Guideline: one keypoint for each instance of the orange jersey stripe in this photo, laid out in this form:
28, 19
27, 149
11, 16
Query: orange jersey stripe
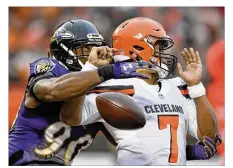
124, 91
184, 92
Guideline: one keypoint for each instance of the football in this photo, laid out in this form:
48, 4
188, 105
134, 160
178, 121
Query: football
120, 111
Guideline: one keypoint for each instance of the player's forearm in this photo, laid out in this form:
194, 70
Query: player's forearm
206, 118
71, 111
66, 87
74, 85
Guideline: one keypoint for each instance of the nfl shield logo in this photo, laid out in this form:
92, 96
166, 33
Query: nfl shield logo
161, 96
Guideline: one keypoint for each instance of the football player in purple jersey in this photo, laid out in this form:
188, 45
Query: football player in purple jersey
46, 130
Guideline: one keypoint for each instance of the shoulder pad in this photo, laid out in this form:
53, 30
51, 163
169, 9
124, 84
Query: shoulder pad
177, 81
44, 65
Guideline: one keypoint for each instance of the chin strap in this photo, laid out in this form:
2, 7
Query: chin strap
71, 53
162, 71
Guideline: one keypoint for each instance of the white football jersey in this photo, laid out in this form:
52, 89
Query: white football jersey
169, 117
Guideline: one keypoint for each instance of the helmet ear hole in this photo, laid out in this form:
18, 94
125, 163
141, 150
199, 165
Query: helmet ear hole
139, 48
135, 56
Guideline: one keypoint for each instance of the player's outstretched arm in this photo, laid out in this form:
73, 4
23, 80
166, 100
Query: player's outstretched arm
66, 87
76, 84
206, 117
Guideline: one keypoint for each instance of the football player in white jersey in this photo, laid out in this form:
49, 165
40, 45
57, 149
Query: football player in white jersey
173, 107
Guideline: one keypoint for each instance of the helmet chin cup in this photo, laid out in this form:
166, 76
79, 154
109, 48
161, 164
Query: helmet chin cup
162, 71
69, 61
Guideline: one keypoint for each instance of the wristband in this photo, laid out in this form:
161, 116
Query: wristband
189, 153
105, 72
196, 90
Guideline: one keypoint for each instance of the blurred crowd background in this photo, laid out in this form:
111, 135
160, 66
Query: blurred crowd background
30, 29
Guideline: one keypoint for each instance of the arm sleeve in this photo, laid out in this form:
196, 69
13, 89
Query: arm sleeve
44, 68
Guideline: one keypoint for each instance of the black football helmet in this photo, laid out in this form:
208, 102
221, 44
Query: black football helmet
70, 35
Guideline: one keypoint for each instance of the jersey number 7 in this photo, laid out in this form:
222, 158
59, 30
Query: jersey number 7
173, 121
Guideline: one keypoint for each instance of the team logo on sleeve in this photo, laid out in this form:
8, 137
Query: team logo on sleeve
44, 66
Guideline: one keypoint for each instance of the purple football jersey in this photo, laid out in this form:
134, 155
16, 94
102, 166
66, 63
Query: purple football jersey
37, 135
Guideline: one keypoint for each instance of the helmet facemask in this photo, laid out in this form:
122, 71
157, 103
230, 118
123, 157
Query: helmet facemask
165, 63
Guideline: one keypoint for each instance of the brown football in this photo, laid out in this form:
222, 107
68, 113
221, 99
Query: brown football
120, 110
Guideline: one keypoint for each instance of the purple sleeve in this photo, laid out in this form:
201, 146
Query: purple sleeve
44, 65
45, 68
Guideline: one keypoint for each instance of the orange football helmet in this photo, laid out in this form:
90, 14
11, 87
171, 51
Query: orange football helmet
144, 39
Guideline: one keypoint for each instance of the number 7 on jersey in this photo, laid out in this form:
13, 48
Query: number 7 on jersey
173, 121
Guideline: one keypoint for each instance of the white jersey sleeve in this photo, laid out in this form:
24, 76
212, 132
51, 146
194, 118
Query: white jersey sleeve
192, 113
90, 112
